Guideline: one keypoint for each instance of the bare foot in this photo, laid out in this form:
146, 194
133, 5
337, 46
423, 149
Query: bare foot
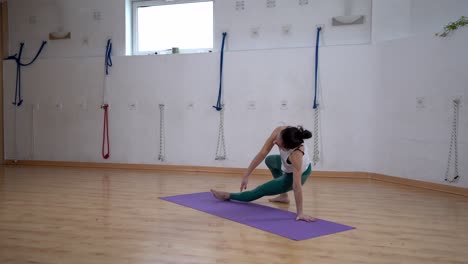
280, 199
223, 196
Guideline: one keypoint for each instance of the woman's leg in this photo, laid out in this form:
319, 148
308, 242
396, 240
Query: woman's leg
275, 186
279, 185
273, 163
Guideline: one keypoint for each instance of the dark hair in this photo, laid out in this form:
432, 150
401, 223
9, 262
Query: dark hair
293, 137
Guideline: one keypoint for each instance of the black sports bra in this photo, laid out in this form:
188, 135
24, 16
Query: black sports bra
298, 148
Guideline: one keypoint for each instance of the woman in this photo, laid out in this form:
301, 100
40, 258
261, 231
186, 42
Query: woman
290, 170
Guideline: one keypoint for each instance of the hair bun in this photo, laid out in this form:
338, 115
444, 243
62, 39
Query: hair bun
305, 133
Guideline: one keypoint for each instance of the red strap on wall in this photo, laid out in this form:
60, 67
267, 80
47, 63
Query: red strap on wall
105, 132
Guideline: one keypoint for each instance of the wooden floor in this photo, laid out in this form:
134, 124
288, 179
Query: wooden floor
67, 215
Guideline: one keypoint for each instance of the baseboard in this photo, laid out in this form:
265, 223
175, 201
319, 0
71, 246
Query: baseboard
239, 171
341, 174
420, 184
153, 167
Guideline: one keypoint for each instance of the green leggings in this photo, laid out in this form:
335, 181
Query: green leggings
281, 183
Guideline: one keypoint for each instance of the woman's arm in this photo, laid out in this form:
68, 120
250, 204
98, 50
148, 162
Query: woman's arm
261, 155
296, 160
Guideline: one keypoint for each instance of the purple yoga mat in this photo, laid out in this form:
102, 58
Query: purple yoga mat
276, 221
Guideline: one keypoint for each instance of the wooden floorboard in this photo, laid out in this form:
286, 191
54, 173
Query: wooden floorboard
76, 215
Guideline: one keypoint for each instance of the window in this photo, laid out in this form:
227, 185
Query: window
159, 26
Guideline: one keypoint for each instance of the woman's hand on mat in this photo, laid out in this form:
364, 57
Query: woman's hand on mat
304, 217
244, 182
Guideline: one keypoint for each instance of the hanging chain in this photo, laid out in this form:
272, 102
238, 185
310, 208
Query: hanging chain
316, 157
33, 132
221, 147
162, 145
15, 135
453, 144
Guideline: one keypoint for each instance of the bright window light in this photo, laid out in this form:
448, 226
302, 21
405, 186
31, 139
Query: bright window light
162, 25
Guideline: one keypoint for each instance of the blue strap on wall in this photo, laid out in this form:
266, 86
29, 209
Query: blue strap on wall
218, 106
17, 58
108, 55
316, 65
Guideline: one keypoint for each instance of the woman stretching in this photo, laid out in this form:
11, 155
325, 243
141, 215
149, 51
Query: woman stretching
290, 170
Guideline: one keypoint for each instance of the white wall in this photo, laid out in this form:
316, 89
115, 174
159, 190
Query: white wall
391, 19
431, 16
369, 119
73, 16
412, 141
302, 21
77, 17
266, 77
399, 19
412, 63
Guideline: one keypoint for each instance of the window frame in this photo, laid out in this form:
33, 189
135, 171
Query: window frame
147, 3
